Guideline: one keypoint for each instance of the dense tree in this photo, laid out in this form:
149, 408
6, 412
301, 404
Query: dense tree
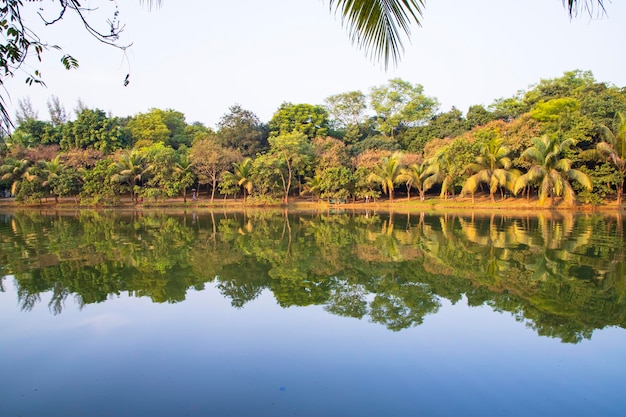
148, 128
400, 104
348, 113
242, 130
443, 125
478, 115
92, 129
304, 118
161, 172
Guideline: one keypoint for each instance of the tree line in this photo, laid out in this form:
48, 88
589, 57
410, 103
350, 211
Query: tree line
562, 141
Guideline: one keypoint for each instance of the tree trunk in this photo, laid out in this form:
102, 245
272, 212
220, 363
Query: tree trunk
213, 186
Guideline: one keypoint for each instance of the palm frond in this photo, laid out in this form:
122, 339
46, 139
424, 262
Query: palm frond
377, 26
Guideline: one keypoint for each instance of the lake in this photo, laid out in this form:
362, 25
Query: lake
270, 313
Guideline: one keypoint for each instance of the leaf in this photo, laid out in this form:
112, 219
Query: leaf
69, 62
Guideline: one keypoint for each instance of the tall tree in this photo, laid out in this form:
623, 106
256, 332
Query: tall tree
242, 130
293, 153
614, 148
400, 104
210, 159
57, 112
348, 113
92, 129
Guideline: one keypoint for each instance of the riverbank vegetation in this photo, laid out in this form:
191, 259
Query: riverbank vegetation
560, 143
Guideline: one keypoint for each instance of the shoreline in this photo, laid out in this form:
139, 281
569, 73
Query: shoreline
433, 204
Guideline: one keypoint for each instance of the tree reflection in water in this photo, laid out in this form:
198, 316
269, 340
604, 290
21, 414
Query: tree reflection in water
560, 273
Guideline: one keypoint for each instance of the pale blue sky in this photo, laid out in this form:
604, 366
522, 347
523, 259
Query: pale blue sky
200, 57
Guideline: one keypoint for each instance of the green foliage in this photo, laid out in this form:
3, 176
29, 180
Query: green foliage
68, 183
265, 176
399, 104
29, 192
161, 179
348, 113
303, 118
478, 115
98, 183
377, 26
551, 172
387, 173
336, 182
443, 125
242, 130
165, 126
92, 129
292, 154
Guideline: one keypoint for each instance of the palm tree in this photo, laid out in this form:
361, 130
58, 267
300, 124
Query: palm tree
551, 171
614, 148
439, 171
492, 168
15, 170
131, 168
183, 168
241, 174
313, 185
377, 26
387, 173
414, 176
50, 170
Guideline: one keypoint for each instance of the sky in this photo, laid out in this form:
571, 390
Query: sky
200, 57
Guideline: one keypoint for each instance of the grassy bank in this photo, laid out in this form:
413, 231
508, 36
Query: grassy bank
402, 204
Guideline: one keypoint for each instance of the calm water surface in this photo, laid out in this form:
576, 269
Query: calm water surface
276, 314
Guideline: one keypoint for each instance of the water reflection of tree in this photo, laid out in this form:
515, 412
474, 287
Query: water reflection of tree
561, 274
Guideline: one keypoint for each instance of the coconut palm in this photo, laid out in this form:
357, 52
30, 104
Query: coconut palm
439, 171
241, 175
14, 170
414, 176
614, 148
313, 186
131, 168
184, 170
49, 171
386, 173
377, 26
492, 168
551, 171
